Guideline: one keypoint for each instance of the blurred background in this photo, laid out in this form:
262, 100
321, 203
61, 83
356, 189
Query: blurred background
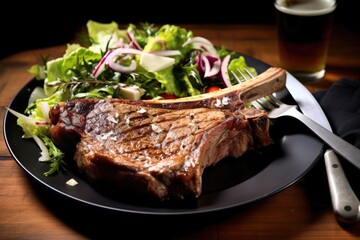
31, 24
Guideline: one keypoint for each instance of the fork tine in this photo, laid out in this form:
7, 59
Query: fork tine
266, 105
276, 102
243, 75
236, 77
248, 72
257, 105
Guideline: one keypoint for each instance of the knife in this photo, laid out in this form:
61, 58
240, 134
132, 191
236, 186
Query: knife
346, 205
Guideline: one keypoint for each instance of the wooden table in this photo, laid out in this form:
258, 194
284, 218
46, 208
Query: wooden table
302, 211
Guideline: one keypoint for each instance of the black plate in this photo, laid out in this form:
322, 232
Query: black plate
233, 182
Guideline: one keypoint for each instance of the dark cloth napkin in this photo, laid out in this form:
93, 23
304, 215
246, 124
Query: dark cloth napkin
341, 105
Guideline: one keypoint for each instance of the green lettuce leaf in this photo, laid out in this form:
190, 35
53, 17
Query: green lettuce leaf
38, 71
104, 34
62, 69
168, 81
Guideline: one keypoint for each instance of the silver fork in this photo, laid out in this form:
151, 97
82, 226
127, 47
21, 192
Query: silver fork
276, 109
345, 203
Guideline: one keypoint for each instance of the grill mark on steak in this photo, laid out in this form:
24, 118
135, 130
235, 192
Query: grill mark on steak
159, 148
167, 131
117, 142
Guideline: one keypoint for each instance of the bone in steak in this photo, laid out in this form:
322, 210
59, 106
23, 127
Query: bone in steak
153, 147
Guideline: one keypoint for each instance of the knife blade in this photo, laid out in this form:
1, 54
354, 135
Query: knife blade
346, 205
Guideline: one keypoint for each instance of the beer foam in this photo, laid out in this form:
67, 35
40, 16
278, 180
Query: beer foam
305, 7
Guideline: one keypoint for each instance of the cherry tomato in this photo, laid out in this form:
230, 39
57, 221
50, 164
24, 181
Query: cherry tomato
167, 96
212, 89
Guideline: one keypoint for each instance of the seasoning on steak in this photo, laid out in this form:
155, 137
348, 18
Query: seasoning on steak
150, 147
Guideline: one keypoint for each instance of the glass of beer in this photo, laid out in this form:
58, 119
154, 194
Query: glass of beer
304, 29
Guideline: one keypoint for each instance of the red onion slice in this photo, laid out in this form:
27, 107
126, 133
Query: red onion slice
206, 65
109, 57
214, 70
202, 44
200, 63
197, 40
132, 51
101, 65
133, 41
122, 68
224, 71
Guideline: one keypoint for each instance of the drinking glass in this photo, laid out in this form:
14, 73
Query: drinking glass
304, 29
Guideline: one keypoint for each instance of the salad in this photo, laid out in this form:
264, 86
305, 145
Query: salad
139, 62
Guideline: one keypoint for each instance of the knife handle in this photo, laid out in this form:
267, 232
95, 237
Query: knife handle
345, 203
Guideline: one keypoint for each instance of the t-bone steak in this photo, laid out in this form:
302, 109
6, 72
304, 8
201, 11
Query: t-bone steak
161, 148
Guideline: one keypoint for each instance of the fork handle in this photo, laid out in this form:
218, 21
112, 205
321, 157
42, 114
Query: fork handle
344, 201
343, 148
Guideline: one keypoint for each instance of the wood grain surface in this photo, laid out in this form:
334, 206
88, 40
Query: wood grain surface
301, 211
